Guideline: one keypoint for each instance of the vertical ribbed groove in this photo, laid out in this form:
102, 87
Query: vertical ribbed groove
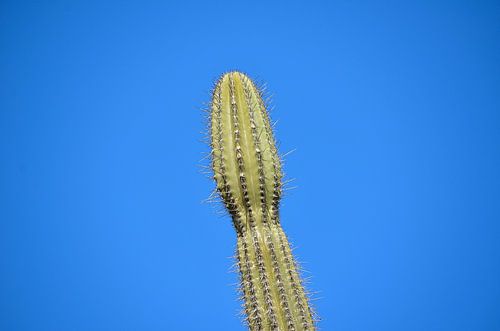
254, 316
268, 302
275, 160
257, 145
295, 282
218, 158
280, 296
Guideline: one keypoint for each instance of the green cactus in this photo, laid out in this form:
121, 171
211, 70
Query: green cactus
247, 171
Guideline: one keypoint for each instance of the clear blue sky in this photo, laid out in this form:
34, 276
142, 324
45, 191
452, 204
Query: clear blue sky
393, 108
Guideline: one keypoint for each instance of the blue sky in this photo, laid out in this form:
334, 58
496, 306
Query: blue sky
393, 109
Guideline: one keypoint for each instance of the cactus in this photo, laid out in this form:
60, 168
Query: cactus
248, 175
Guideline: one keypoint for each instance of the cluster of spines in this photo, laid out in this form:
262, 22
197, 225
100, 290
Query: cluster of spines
243, 161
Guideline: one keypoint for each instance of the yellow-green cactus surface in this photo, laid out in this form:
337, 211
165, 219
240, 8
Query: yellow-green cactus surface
247, 171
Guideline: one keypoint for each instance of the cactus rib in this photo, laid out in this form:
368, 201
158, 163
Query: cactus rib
248, 175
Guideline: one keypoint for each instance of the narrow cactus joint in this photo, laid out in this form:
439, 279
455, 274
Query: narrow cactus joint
248, 174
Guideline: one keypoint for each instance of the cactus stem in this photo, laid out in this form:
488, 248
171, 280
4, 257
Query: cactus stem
247, 169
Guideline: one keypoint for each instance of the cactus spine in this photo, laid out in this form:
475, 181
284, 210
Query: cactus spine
247, 171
